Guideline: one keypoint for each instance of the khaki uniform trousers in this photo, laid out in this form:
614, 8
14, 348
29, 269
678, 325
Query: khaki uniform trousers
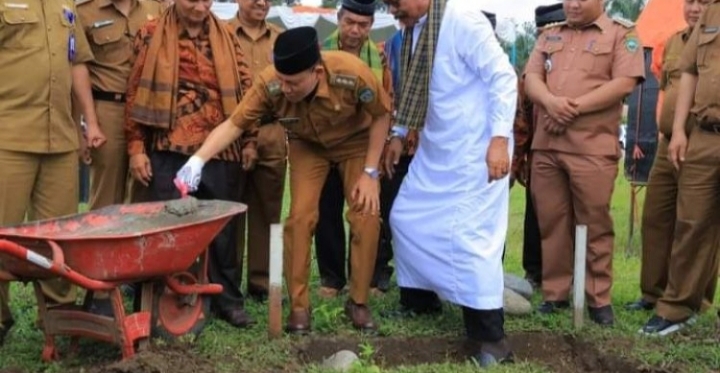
42, 186
109, 168
693, 260
658, 230
569, 190
309, 166
263, 194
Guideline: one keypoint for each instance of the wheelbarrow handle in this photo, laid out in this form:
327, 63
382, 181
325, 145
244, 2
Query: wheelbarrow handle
56, 265
174, 284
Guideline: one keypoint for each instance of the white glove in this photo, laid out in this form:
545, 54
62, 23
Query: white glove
190, 173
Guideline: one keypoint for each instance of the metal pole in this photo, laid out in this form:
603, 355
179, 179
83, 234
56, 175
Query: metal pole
275, 291
579, 275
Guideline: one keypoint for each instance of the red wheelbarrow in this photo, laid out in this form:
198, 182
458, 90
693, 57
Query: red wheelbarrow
148, 243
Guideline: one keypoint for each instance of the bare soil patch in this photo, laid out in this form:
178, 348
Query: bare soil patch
166, 359
562, 354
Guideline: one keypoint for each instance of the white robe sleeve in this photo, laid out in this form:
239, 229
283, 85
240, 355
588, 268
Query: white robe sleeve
481, 51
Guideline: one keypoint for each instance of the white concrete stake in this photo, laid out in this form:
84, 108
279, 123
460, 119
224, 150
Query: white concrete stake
579, 275
275, 291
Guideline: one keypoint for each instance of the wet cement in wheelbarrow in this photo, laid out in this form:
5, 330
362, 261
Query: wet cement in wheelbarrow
558, 353
182, 206
176, 212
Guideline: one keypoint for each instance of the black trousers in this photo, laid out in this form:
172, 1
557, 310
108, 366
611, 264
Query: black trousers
330, 242
389, 189
330, 231
532, 250
220, 180
480, 325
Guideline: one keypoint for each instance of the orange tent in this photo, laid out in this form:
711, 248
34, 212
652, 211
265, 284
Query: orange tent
659, 20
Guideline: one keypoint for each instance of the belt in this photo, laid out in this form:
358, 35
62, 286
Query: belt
713, 127
108, 96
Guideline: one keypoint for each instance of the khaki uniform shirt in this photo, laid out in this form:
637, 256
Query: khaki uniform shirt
258, 52
670, 81
701, 58
344, 105
111, 34
36, 61
574, 62
258, 56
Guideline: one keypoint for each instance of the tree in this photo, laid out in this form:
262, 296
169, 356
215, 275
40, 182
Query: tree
627, 9
524, 44
329, 4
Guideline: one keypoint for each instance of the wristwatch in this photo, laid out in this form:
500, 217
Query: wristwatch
393, 135
397, 131
372, 172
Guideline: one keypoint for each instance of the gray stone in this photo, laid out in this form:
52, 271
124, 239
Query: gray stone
519, 285
516, 304
341, 361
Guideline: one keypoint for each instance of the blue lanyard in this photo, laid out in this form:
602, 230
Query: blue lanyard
70, 18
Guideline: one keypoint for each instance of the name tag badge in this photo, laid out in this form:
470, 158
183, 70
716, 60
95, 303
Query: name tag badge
548, 62
553, 38
15, 6
71, 47
69, 15
710, 30
104, 23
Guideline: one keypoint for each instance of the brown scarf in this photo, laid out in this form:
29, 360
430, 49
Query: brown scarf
155, 100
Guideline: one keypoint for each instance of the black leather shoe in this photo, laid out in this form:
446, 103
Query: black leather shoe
5, 327
549, 307
602, 316
487, 354
236, 317
486, 359
298, 322
640, 305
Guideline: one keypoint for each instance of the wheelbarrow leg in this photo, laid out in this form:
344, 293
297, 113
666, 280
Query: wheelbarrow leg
146, 303
49, 352
124, 331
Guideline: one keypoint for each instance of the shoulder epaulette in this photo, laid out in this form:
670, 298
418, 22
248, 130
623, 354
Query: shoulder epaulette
273, 88
344, 81
81, 2
553, 25
623, 22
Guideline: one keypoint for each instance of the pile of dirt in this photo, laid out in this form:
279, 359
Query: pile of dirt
167, 359
561, 354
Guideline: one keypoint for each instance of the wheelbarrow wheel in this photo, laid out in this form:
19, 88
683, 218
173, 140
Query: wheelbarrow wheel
175, 315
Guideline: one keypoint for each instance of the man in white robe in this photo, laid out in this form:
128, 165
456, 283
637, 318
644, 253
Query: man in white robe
450, 218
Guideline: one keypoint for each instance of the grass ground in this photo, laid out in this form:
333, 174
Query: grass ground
230, 350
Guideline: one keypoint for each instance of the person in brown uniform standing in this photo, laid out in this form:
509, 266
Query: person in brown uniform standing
188, 76
265, 183
545, 16
110, 26
335, 111
38, 137
577, 76
693, 262
355, 20
659, 211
